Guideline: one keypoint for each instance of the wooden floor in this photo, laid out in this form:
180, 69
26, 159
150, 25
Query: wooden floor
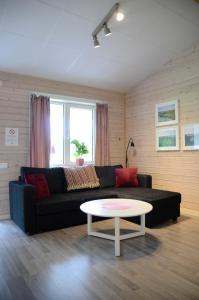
66, 264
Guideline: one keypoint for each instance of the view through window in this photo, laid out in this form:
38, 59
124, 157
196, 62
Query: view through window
70, 121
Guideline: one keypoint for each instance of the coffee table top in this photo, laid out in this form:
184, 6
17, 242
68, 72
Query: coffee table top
116, 207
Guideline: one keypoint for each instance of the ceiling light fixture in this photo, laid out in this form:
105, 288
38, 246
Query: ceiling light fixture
103, 24
107, 30
96, 42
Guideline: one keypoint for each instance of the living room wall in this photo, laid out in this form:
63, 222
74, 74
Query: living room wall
171, 170
14, 112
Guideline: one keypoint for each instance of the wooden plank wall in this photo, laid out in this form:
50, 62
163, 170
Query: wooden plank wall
179, 170
14, 112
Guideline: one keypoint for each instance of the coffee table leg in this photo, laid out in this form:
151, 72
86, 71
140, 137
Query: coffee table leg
142, 231
117, 236
89, 223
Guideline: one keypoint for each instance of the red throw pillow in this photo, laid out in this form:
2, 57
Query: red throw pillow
126, 177
40, 183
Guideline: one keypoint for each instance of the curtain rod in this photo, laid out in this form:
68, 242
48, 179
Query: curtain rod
67, 98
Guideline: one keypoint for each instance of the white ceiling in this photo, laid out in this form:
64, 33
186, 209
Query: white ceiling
52, 39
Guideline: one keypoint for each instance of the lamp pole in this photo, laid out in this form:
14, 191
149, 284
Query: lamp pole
131, 144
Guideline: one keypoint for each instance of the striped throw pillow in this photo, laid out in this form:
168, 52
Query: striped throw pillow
81, 178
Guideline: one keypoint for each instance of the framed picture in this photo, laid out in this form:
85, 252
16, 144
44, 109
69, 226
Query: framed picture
167, 138
190, 137
167, 113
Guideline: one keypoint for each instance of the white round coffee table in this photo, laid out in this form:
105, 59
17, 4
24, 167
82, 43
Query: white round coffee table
116, 208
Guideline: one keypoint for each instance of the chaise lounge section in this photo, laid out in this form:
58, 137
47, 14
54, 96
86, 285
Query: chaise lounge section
62, 208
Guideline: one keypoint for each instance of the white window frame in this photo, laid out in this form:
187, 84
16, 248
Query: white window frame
66, 139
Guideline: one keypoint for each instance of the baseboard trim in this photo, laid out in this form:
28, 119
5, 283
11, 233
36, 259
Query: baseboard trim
190, 212
5, 217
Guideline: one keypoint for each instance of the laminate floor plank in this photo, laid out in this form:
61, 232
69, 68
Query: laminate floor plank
66, 264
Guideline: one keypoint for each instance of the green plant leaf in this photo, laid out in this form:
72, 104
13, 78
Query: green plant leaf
80, 148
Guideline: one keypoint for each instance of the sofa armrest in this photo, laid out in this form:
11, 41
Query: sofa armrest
22, 206
145, 180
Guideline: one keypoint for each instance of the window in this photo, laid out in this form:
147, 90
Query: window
71, 121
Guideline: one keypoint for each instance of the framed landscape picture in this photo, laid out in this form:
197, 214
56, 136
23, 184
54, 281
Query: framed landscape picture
190, 137
167, 113
167, 138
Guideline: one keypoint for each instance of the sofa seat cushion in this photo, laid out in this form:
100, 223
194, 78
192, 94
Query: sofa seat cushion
69, 201
153, 196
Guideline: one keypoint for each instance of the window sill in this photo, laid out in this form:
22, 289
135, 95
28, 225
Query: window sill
89, 163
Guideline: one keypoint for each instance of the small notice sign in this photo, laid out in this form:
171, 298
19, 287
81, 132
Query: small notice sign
11, 136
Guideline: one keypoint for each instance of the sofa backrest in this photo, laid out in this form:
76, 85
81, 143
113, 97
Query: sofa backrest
106, 175
54, 176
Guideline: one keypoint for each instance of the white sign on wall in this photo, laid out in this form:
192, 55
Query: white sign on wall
11, 136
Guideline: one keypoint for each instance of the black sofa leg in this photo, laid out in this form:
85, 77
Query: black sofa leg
175, 219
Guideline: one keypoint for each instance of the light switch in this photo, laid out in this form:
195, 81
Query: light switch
3, 165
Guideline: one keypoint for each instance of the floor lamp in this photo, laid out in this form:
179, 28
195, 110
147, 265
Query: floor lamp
130, 144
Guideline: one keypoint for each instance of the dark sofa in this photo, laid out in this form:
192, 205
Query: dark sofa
62, 208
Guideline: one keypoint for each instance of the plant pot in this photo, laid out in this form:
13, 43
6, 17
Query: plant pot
80, 161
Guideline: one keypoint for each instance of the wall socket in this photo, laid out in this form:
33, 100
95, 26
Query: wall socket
3, 165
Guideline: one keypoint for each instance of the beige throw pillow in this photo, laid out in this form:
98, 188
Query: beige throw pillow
81, 178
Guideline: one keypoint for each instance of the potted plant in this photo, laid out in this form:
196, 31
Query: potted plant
80, 150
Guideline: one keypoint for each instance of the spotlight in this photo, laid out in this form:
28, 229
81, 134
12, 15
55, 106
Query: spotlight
96, 42
107, 31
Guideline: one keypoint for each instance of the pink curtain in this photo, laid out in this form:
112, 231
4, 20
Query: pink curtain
102, 136
39, 131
